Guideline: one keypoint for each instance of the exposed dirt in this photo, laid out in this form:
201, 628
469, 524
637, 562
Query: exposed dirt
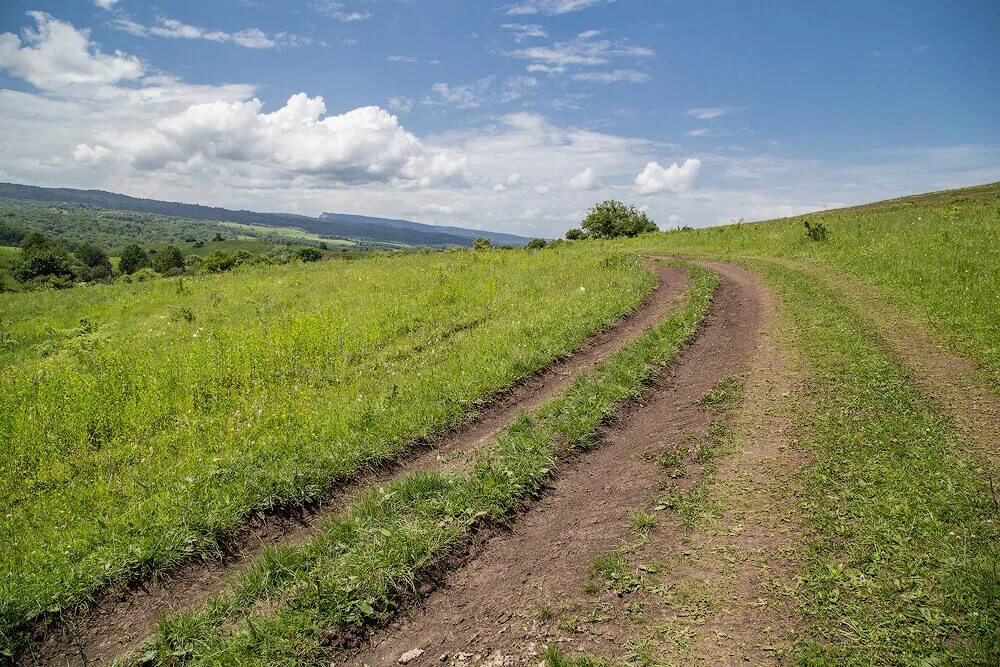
524, 588
122, 618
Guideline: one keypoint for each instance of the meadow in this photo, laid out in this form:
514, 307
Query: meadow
142, 424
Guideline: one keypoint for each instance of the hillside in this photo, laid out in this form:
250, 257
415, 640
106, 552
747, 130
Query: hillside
342, 229
778, 448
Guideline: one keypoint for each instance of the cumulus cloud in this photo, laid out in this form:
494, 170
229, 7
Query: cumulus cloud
56, 56
551, 7
585, 180
106, 4
363, 145
675, 178
615, 76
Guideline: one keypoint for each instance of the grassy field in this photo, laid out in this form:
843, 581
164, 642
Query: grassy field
142, 423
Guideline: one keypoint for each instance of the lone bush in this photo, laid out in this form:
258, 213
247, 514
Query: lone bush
575, 234
309, 254
611, 219
536, 244
167, 259
815, 232
482, 243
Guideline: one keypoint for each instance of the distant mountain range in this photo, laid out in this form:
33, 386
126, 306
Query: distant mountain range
497, 238
333, 225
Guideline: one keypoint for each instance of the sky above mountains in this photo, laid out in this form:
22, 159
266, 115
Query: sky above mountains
511, 116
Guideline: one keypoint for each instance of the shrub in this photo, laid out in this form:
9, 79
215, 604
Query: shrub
536, 244
815, 232
611, 219
43, 258
575, 234
133, 258
482, 243
218, 261
309, 254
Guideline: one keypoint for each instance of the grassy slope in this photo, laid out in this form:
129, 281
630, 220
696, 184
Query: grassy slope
935, 255
135, 438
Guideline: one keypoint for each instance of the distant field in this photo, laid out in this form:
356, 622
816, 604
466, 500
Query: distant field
289, 232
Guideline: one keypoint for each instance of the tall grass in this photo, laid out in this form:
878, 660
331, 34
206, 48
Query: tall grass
935, 255
140, 424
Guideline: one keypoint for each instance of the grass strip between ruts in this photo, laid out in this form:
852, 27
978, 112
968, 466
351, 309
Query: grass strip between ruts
291, 605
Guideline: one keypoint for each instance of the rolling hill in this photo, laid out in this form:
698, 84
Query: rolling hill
360, 228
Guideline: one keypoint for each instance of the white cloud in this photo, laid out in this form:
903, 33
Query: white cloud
106, 4
551, 7
708, 113
483, 91
339, 11
364, 145
401, 104
585, 180
402, 59
545, 69
675, 178
251, 38
699, 132
56, 56
581, 50
523, 31
615, 76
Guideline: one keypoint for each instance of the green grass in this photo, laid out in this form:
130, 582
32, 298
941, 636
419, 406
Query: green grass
901, 566
935, 255
357, 570
141, 424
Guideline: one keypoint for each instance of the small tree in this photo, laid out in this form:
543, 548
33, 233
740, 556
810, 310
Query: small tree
133, 258
169, 259
96, 265
535, 244
482, 243
611, 219
575, 234
218, 237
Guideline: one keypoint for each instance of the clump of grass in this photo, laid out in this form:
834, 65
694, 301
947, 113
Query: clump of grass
727, 393
643, 522
554, 657
618, 574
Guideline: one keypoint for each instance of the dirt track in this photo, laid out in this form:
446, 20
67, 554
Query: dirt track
121, 619
514, 593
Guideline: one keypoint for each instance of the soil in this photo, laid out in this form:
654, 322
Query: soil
533, 585
122, 618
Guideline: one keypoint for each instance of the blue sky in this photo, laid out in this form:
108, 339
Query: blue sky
514, 116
